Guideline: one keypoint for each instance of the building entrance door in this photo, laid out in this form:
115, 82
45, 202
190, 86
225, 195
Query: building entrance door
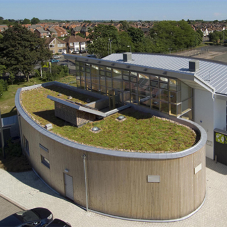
68, 186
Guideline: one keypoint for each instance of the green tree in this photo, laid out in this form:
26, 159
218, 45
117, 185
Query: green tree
136, 34
105, 39
172, 35
2, 69
125, 43
26, 21
81, 35
124, 25
21, 50
35, 20
11, 78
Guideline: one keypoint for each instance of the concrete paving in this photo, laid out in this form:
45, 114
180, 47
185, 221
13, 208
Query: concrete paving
7, 208
27, 190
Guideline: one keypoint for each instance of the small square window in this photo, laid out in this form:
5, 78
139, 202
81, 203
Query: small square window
45, 162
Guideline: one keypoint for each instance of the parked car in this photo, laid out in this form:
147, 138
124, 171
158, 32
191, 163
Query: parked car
91, 56
58, 223
56, 56
75, 52
54, 60
36, 217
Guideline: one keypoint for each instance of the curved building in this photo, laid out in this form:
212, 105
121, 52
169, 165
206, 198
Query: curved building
131, 185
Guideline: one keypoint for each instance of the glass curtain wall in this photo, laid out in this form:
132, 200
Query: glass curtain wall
167, 95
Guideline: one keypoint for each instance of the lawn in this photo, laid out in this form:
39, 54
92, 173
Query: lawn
139, 132
7, 101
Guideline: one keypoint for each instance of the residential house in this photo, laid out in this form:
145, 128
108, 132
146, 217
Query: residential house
56, 45
75, 30
3, 27
145, 30
53, 32
85, 28
75, 43
41, 33
61, 32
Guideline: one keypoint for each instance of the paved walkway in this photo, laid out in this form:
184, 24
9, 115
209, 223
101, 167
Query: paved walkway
27, 190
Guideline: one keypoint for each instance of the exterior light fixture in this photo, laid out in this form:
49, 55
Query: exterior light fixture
121, 117
95, 129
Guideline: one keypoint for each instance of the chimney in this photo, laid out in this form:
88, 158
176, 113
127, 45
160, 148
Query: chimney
127, 56
194, 66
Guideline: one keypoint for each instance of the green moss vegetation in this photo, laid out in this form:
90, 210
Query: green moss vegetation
138, 133
7, 101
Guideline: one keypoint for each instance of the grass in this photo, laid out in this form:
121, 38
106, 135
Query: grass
7, 102
139, 132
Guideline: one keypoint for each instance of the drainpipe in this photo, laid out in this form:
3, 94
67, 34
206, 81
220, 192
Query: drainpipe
2, 136
85, 179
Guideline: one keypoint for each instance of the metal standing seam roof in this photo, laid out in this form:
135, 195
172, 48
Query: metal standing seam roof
213, 73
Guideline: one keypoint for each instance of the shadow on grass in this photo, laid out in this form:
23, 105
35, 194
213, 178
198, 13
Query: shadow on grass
136, 114
72, 93
49, 115
12, 112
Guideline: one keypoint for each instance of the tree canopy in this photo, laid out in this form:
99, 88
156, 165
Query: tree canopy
105, 40
26, 21
164, 36
21, 50
173, 35
218, 36
35, 20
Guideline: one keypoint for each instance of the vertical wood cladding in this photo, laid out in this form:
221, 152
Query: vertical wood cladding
118, 185
71, 115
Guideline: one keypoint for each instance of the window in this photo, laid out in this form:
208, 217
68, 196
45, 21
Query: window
60, 50
71, 44
61, 45
51, 45
26, 145
44, 148
45, 162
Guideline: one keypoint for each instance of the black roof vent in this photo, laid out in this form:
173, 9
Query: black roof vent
194, 66
127, 56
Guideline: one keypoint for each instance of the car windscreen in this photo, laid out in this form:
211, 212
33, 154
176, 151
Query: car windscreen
27, 216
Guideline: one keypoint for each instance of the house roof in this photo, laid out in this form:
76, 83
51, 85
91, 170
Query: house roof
41, 30
72, 39
49, 40
212, 73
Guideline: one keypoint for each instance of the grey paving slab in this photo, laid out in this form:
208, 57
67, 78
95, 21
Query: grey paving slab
7, 208
29, 191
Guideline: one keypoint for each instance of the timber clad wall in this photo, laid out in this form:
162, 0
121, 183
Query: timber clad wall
72, 115
118, 185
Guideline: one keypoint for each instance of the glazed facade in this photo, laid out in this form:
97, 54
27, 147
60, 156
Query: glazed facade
168, 95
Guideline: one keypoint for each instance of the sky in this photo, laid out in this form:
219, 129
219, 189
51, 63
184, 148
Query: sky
114, 9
